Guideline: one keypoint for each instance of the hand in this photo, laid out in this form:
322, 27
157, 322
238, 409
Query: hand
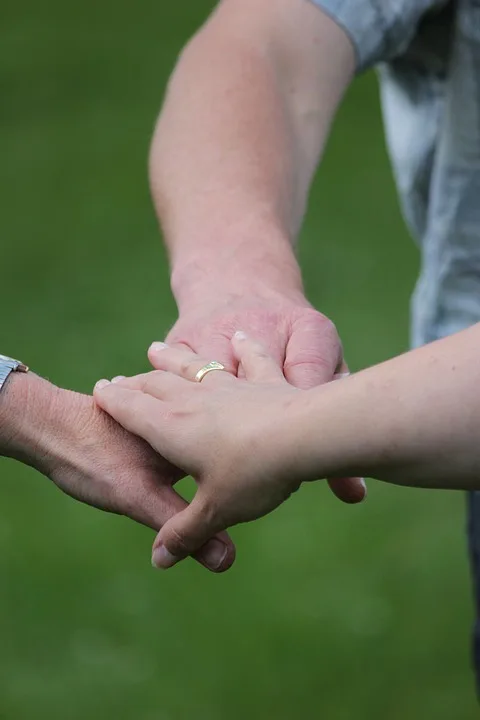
303, 342
91, 458
231, 435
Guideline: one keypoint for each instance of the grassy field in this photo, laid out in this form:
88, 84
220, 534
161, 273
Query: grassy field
331, 611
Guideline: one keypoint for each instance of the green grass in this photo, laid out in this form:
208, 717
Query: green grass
331, 611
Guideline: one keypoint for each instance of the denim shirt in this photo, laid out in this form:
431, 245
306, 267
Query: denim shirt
428, 56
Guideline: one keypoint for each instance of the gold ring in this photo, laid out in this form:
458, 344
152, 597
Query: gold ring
210, 367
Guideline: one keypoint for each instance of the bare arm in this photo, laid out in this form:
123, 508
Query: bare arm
88, 456
246, 116
245, 119
413, 420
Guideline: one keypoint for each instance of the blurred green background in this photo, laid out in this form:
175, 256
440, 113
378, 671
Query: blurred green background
330, 611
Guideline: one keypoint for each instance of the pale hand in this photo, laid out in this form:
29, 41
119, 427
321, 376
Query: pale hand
230, 434
302, 342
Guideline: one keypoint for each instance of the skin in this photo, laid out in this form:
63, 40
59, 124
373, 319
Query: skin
66, 437
246, 116
251, 444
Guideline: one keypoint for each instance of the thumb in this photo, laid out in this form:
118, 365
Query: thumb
184, 534
313, 352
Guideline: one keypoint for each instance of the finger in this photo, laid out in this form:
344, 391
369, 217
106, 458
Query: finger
184, 534
155, 509
159, 384
145, 416
257, 364
313, 352
155, 506
349, 490
185, 364
215, 344
342, 371
157, 346
132, 409
135, 412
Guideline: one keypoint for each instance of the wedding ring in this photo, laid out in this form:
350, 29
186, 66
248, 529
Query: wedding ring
210, 367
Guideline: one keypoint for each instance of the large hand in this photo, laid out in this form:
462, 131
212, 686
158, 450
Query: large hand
303, 342
91, 458
236, 438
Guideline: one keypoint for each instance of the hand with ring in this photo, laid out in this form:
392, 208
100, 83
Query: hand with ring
233, 436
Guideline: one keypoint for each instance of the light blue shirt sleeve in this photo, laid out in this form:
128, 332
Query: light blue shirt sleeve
379, 29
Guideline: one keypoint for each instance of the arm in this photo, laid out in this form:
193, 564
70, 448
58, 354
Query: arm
246, 116
91, 458
414, 420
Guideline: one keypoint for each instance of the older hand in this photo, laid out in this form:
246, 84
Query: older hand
91, 458
231, 435
303, 342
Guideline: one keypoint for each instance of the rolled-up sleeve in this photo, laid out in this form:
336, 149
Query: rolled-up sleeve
379, 29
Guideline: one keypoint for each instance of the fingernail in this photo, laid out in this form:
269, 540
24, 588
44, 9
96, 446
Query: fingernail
340, 376
102, 384
240, 335
117, 378
158, 346
162, 559
213, 554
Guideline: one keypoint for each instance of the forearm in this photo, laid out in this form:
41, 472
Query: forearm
34, 426
414, 420
25, 401
246, 116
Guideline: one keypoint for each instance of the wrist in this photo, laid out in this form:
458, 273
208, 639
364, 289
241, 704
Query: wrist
25, 401
33, 421
342, 437
236, 267
327, 434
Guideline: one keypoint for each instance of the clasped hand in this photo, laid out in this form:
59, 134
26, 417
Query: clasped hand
232, 435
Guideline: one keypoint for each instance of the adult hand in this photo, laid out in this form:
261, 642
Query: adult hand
303, 342
234, 437
91, 458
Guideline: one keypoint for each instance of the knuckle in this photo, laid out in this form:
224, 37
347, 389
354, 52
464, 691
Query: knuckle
317, 356
324, 326
321, 323
177, 544
143, 381
152, 379
186, 367
260, 352
209, 510
320, 343
330, 330
225, 328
